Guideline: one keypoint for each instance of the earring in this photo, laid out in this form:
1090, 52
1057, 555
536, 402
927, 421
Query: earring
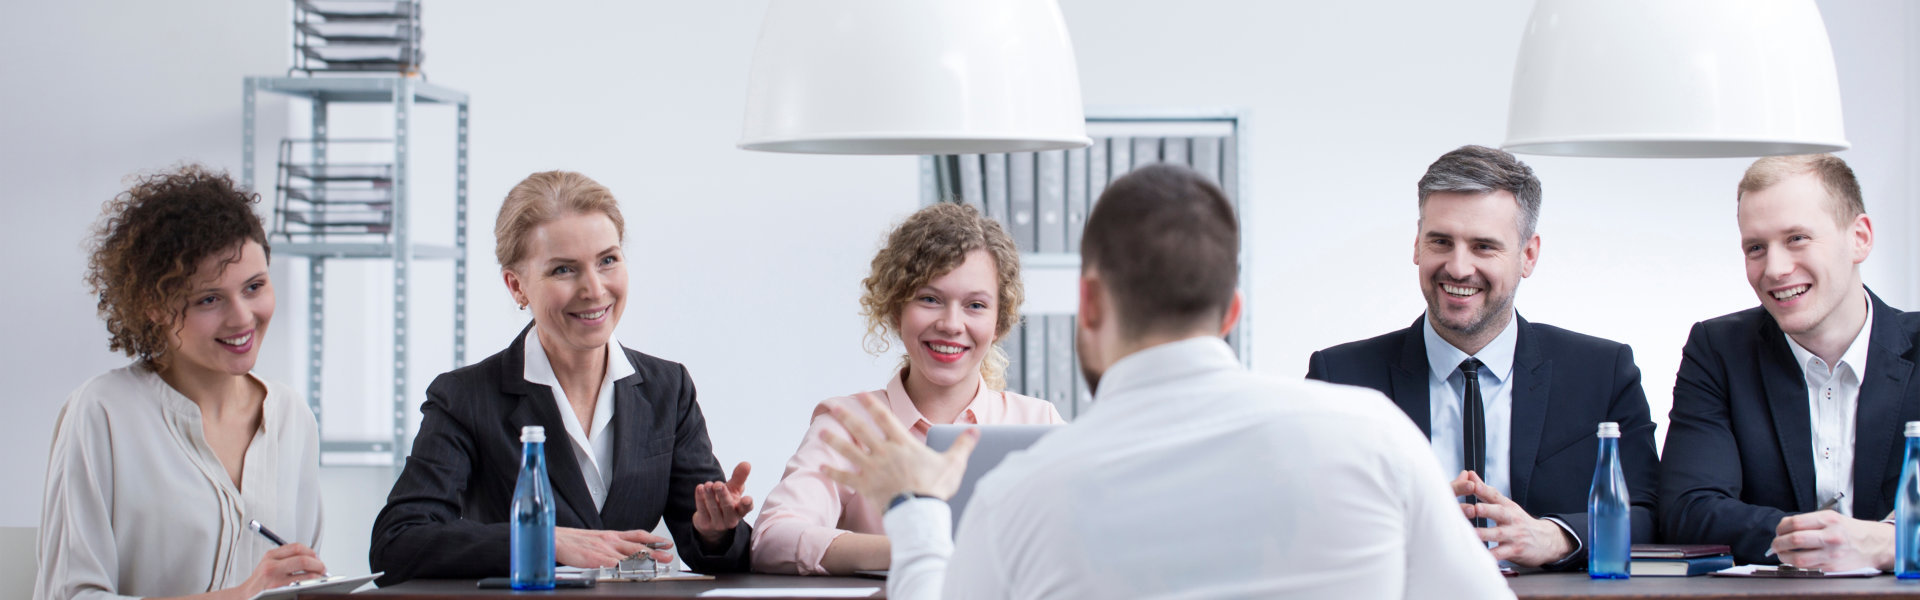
523, 306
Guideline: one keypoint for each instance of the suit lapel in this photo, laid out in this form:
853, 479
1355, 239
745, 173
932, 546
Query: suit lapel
538, 407
1532, 377
1410, 389
1786, 387
632, 426
1877, 426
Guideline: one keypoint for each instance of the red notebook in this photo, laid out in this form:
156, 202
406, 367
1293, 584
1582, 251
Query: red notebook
1644, 551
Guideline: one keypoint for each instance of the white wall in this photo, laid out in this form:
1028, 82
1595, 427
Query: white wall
736, 252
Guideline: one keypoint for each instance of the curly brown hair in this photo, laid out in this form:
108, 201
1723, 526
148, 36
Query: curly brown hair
931, 243
147, 245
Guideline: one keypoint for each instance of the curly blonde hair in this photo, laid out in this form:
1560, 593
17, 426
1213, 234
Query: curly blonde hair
933, 242
147, 245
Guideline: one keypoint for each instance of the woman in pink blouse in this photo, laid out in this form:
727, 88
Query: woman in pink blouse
946, 287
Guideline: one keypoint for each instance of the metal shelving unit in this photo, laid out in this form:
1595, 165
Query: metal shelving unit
402, 93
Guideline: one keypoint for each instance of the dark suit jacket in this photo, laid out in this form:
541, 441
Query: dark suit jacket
1564, 385
1739, 453
447, 516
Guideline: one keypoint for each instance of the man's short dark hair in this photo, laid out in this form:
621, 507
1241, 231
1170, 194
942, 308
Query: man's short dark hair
1166, 242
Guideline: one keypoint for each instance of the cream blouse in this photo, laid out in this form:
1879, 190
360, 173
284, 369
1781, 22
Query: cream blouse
137, 504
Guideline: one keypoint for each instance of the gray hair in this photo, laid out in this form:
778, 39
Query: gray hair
1479, 170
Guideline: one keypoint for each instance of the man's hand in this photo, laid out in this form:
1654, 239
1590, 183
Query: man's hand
1829, 541
719, 506
1524, 540
888, 461
599, 548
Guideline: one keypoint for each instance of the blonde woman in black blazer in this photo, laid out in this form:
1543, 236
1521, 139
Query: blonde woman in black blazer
627, 444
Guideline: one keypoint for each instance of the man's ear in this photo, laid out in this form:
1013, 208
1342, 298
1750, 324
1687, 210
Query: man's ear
1093, 299
1860, 234
1232, 317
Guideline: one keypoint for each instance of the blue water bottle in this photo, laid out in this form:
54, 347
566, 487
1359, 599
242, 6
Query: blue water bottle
1609, 523
1906, 510
532, 526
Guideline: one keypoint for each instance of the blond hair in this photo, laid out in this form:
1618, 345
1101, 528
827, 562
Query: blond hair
931, 243
540, 199
1843, 190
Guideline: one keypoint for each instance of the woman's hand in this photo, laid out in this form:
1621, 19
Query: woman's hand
586, 548
719, 506
281, 566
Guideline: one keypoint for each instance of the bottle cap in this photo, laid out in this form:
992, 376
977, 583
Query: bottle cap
1609, 429
533, 433
1913, 428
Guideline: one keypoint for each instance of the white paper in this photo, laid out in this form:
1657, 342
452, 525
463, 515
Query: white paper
336, 584
1751, 569
789, 592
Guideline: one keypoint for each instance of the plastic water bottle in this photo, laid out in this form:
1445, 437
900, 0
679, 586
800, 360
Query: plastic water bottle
532, 537
1906, 510
1609, 525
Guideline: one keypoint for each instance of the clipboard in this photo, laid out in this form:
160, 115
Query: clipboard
1770, 571
336, 583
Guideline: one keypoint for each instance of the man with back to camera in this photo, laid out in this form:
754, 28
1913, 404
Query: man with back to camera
1521, 435
1786, 430
1190, 476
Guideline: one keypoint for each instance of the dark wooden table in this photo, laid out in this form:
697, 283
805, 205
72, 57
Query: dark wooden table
1533, 586
449, 589
1577, 586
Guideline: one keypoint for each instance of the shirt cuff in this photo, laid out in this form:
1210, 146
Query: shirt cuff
920, 528
1578, 545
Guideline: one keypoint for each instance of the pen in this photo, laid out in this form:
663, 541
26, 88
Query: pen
268, 533
1830, 504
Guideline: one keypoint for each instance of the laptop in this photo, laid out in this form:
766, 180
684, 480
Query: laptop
996, 442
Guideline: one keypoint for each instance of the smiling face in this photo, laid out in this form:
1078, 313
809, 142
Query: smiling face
228, 307
1802, 263
1471, 261
574, 281
948, 325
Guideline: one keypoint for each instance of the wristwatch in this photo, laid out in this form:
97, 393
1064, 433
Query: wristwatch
905, 496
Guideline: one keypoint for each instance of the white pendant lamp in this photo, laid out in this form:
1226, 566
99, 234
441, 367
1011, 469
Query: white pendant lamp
1675, 78
913, 77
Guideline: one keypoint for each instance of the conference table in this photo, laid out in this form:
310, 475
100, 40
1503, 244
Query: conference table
1540, 586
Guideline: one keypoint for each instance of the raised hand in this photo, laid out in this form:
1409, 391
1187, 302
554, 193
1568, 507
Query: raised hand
887, 460
719, 506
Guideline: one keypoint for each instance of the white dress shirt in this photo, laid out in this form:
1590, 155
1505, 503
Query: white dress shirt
592, 443
1446, 390
1193, 478
1833, 396
137, 503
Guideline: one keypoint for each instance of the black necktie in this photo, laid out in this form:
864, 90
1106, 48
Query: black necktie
1473, 438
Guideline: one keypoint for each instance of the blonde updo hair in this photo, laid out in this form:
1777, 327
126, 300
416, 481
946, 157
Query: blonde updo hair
931, 243
542, 198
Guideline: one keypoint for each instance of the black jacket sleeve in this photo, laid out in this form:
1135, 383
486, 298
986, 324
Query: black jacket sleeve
420, 532
1701, 475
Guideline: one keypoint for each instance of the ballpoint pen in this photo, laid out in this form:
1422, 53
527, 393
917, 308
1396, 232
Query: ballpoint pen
1830, 504
268, 533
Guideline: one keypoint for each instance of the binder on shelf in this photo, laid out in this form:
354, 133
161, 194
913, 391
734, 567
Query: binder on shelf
1076, 198
1020, 191
1146, 151
971, 193
1096, 172
1119, 157
1230, 169
996, 170
1051, 234
1061, 367
1174, 150
1035, 359
1206, 157
1014, 347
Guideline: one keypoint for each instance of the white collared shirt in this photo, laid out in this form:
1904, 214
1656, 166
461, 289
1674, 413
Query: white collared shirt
1446, 390
592, 445
1833, 397
1193, 478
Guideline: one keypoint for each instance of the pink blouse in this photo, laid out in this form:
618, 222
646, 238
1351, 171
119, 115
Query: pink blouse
807, 510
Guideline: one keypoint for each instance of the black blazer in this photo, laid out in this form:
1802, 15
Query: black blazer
447, 516
1564, 385
1739, 453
